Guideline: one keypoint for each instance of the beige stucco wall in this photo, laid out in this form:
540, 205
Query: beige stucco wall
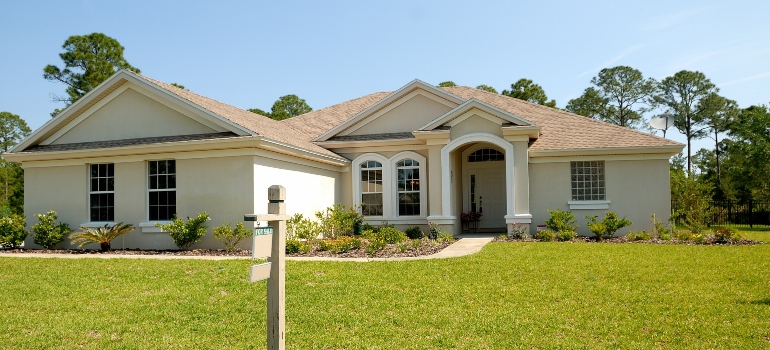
221, 186
408, 116
636, 189
475, 124
132, 115
308, 189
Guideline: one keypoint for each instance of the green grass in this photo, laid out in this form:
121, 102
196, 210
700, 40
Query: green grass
757, 234
511, 295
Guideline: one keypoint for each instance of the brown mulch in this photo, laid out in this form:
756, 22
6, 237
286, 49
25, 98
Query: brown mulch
617, 240
390, 251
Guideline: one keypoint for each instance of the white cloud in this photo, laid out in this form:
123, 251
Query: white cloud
745, 79
608, 63
668, 20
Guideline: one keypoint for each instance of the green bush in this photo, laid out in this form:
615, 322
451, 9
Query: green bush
684, 235
100, 235
518, 232
434, 230
414, 232
564, 236
186, 234
609, 224
293, 246
374, 246
561, 221
659, 229
231, 237
725, 235
48, 233
445, 237
545, 235
638, 236
338, 220
299, 227
390, 235
12, 231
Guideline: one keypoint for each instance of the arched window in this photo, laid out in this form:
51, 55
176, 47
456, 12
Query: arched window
408, 187
486, 155
371, 188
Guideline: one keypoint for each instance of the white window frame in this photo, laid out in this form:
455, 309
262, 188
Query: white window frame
149, 225
91, 191
423, 185
386, 209
590, 204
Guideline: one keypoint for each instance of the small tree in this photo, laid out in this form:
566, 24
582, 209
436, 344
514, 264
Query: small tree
48, 232
12, 231
186, 234
101, 235
231, 237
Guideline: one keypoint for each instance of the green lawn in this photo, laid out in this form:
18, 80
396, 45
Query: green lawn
511, 295
757, 234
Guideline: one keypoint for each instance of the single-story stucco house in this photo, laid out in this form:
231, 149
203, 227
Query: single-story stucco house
138, 151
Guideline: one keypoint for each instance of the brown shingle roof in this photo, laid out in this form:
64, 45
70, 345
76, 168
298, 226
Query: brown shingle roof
563, 130
320, 121
128, 142
261, 125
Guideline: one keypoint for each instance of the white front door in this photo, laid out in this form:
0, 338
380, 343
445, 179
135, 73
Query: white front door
487, 194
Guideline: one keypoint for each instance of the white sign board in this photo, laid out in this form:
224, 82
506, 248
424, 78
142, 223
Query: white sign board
263, 242
259, 272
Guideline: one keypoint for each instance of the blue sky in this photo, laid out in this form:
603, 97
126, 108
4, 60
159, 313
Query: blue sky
249, 53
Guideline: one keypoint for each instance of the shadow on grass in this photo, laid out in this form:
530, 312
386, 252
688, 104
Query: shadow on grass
765, 301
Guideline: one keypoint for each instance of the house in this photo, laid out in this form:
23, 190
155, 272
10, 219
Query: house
138, 151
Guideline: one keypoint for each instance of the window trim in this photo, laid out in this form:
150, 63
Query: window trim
589, 204
386, 209
149, 225
423, 184
91, 223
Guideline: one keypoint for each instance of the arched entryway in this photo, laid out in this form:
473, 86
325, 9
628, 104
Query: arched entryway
488, 172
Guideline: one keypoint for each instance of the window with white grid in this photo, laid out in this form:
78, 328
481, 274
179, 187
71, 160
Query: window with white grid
162, 189
588, 180
101, 196
408, 171
371, 188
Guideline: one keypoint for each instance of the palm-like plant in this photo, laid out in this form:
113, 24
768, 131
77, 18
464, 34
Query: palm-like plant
101, 235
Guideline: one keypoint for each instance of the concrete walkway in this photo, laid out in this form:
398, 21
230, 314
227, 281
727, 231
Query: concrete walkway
465, 246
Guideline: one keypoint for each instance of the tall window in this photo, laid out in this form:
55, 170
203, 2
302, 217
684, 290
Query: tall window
408, 187
588, 180
102, 192
371, 188
162, 189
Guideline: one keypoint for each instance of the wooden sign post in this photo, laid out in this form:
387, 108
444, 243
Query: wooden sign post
276, 282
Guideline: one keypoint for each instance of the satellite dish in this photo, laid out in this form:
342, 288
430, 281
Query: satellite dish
662, 122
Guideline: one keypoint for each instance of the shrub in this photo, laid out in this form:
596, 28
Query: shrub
638, 236
660, 230
445, 237
564, 236
299, 227
340, 245
293, 246
518, 232
185, 234
434, 230
375, 246
561, 221
416, 244
231, 237
48, 232
12, 231
414, 232
683, 235
545, 235
609, 224
338, 220
390, 235
725, 235
101, 235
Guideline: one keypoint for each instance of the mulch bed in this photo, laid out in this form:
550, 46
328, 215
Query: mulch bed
390, 251
617, 240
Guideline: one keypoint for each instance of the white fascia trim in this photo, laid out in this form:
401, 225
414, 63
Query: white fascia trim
96, 224
149, 226
577, 205
387, 100
442, 219
304, 153
518, 219
474, 103
477, 112
640, 150
446, 171
378, 143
